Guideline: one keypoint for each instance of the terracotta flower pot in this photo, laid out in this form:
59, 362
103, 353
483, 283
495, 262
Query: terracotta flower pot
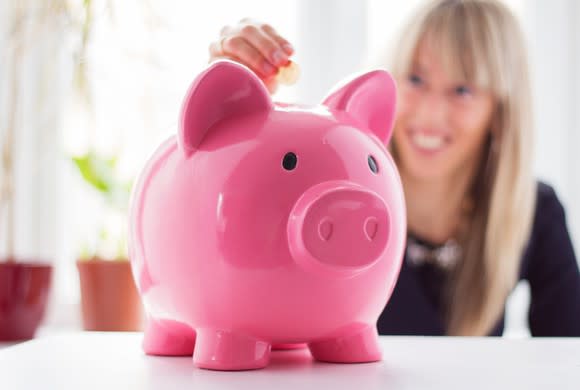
109, 298
24, 290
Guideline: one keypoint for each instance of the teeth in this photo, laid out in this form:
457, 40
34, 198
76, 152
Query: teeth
428, 141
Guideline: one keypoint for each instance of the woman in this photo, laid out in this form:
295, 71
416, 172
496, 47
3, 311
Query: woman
478, 222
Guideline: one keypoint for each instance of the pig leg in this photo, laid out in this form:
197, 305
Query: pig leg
168, 338
358, 347
227, 350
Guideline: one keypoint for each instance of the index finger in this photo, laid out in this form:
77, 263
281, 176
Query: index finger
284, 44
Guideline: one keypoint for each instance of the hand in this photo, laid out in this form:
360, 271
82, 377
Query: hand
256, 45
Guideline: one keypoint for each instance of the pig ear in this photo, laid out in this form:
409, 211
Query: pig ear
224, 90
370, 98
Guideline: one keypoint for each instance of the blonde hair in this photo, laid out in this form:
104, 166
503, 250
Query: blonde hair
481, 41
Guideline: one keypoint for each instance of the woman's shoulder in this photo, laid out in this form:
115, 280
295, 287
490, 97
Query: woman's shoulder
550, 267
548, 211
546, 198
549, 229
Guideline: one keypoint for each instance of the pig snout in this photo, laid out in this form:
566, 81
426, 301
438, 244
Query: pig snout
338, 227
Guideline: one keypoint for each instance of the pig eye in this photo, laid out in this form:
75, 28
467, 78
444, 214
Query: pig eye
373, 164
289, 162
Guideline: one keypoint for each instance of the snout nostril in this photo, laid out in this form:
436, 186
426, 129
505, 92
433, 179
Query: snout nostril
371, 227
325, 229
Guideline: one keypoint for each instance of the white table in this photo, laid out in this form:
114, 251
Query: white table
115, 361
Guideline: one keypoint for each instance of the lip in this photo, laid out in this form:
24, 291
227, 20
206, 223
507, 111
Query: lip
428, 152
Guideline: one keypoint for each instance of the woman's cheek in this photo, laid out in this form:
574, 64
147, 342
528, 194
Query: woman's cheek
473, 124
403, 97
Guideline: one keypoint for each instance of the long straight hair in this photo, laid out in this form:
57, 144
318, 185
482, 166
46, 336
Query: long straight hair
481, 41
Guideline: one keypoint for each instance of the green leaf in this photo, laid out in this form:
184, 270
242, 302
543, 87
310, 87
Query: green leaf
97, 171
86, 253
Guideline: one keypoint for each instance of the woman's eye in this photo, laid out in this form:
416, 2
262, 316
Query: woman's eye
462, 90
415, 80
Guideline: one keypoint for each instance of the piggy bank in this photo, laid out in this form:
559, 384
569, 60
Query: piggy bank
262, 224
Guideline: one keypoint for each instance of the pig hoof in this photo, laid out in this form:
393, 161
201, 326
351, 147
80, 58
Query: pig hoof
226, 350
168, 338
360, 347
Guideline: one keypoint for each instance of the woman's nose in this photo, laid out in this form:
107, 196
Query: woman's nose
431, 109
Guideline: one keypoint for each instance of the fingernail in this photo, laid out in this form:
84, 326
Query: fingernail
288, 48
267, 68
279, 58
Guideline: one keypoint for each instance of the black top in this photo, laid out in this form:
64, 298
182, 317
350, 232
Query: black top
548, 264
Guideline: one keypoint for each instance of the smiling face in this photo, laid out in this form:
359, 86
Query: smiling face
442, 120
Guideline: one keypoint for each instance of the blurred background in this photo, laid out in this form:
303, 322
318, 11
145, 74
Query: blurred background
88, 88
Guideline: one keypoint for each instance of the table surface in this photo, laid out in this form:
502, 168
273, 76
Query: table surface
90, 360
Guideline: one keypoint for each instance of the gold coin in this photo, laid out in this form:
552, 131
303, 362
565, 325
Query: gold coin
288, 74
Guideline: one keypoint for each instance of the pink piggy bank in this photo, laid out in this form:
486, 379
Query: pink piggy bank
261, 224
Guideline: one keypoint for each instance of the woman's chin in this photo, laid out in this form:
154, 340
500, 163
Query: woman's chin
424, 172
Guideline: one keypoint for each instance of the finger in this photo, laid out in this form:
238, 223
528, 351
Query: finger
215, 50
264, 44
248, 55
283, 43
222, 57
271, 84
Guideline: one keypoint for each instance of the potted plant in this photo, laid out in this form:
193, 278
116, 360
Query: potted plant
109, 298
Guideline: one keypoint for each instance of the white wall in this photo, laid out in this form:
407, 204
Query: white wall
554, 41
332, 43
